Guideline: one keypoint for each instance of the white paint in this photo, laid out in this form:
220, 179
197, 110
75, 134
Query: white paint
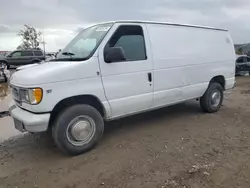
65, 79
186, 59
181, 59
126, 83
26, 66
102, 28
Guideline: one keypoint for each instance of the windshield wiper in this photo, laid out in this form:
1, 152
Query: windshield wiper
68, 54
69, 59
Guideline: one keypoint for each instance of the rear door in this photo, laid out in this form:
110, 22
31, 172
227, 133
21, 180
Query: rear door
128, 84
39, 55
26, 57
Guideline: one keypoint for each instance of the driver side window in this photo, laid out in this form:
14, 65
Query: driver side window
131, 39
16, 54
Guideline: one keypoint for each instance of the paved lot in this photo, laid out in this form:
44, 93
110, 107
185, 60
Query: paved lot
173, 147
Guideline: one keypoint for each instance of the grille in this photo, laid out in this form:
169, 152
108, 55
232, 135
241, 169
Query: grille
16, 94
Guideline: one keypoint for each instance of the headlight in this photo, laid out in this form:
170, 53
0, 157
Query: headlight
31, 96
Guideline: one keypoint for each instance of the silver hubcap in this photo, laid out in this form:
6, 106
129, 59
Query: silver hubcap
216, 98
81, 130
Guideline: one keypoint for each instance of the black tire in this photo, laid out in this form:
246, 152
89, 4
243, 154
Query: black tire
62, 136
5, 78
35, 61
206, 101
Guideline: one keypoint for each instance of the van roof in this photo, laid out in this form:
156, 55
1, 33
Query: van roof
167, 23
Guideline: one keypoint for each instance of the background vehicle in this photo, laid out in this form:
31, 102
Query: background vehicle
50, 56
242, 64
117, 69
3, 77
22, 57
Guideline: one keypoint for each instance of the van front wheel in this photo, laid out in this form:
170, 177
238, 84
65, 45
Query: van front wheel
78, 129
212, 100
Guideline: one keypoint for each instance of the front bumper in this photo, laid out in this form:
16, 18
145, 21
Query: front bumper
27, 121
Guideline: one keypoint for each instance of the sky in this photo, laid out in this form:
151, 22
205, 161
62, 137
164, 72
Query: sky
61, 20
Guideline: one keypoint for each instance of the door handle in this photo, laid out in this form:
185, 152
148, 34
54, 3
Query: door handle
150, 77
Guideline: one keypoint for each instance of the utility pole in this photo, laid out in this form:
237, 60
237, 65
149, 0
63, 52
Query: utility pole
44, 43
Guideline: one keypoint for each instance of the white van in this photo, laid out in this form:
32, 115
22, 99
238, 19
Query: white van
116, 69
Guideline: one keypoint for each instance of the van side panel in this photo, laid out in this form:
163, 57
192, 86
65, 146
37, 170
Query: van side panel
186, 59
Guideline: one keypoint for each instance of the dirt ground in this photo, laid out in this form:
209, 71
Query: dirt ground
179, 146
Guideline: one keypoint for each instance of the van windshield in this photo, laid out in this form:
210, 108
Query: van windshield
84, 44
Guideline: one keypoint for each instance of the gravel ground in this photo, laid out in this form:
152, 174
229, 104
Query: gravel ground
173, 147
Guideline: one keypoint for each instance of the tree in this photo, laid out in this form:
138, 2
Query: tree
239, 51
30, 37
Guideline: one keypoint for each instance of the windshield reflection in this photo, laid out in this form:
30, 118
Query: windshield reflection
85, 43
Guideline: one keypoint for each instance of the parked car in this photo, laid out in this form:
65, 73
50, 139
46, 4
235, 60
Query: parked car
118, 69
22, 57
242, 65
50, 56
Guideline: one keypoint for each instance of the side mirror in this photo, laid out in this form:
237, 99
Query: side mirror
114, 54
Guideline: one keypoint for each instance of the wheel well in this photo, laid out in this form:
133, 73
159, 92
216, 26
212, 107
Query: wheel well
220, 80
81, 99
36, 60
3, 61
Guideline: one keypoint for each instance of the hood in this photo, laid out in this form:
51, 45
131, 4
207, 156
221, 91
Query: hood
50, 72
26, 66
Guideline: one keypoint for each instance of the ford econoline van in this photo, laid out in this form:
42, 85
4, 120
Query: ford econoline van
117, 69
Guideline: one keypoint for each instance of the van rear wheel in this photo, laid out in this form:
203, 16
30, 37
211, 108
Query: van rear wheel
212, 100
78, 129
